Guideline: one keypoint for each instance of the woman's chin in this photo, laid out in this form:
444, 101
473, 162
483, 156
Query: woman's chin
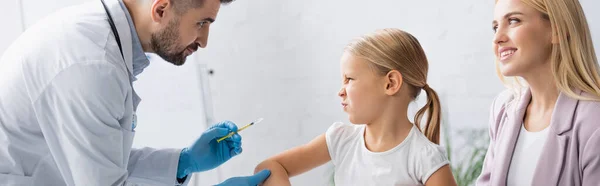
508, 72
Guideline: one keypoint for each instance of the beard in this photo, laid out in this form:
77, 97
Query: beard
164, 44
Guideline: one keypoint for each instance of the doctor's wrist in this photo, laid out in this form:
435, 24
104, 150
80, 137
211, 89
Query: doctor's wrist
183, 164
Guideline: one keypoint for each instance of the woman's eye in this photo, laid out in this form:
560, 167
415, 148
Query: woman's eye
513, 21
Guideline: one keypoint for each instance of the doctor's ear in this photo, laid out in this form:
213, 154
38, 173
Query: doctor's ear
159, 9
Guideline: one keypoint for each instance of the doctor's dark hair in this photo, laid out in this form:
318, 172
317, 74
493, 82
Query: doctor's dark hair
182, 6
393, 49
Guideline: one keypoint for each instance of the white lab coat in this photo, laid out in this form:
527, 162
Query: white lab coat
67, 105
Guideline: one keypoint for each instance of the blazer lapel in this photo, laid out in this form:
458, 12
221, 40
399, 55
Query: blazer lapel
551, 161
510, 133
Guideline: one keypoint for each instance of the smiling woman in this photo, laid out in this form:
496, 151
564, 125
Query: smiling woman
562, 30
546, 133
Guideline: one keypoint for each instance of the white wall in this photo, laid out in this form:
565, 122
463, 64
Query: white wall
279, 60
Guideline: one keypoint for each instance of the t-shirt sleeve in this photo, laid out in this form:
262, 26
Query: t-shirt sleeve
432, 158
335, 136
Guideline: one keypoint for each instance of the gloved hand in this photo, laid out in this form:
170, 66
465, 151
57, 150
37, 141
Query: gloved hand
206, 153
253, 180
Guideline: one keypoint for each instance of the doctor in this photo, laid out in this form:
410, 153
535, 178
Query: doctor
67, 105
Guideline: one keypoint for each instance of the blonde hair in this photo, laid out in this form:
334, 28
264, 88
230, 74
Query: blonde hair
573, 59
393, 49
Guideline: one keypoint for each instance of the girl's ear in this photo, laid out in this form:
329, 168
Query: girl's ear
393, 82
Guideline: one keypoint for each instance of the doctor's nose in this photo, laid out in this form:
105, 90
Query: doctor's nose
202, 43
202, 40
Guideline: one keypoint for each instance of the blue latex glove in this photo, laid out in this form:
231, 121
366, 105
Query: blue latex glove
206, 153
253, 180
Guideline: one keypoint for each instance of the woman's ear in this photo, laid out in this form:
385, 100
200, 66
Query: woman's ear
393, 82
555, 38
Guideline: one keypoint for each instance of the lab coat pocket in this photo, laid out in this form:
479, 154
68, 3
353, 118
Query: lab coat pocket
127, 139
8, 179
127, 142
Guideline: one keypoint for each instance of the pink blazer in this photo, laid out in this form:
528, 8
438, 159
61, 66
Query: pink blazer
571, 154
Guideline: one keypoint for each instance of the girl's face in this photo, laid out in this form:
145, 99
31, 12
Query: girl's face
363, 90
522, 39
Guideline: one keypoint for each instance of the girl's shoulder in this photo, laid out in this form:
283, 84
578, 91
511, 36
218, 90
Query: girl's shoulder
422, 147
429, 156
343, 131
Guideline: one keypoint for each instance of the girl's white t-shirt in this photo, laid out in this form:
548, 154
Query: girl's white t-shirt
411, 162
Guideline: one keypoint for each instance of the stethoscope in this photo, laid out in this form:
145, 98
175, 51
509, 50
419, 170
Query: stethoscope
113, 28
116, 34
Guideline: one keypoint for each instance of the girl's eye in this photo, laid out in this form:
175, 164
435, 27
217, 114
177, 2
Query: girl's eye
347, 79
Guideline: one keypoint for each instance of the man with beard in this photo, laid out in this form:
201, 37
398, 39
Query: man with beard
67, 105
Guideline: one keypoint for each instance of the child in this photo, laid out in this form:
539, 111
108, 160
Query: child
382, 73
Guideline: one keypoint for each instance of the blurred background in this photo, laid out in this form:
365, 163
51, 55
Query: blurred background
279, 60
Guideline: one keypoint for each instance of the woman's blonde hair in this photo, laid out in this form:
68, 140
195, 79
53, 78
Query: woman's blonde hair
573, 59
393, 49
